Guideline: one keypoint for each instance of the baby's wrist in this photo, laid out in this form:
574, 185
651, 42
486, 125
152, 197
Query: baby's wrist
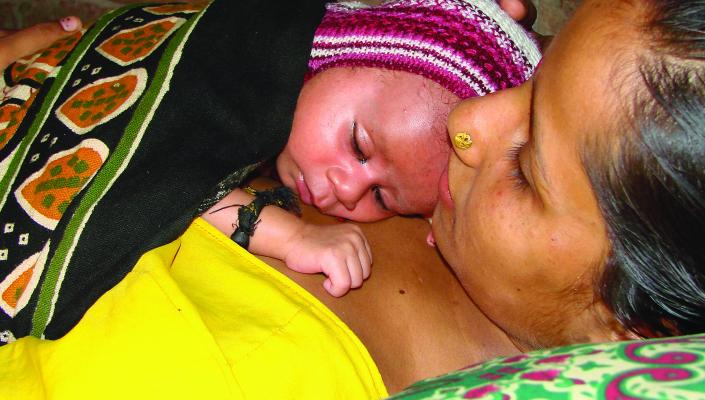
249, 214
295, 242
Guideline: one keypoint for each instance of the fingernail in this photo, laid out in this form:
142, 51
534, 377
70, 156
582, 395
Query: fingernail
69, 23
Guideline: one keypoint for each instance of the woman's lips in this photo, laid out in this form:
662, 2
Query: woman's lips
444, 196
304, 193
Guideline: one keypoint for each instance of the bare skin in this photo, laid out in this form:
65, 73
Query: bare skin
339, 251
15, 44
414, 298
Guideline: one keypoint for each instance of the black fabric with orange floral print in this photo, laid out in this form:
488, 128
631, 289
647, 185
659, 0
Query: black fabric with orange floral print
110, 141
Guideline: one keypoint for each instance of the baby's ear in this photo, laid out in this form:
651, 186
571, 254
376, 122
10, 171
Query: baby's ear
522, 11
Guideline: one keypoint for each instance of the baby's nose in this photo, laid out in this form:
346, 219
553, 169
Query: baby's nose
347, 187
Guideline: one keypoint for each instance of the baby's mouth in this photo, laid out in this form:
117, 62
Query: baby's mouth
304, 193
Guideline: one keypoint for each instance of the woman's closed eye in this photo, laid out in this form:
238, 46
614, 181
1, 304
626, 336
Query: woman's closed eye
516, 174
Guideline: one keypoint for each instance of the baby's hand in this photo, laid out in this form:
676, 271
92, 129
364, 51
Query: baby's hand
341, 252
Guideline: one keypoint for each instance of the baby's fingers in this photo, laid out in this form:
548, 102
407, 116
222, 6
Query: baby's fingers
365, 255
359, 264
358, 269
339, 279
363, 252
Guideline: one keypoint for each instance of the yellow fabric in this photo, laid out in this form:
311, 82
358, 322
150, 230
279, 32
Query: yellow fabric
198, 318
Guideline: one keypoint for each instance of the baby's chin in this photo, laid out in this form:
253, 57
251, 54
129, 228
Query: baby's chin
356, 217
288, 185
285, 179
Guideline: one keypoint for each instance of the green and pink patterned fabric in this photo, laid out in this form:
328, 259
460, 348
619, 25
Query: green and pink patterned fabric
669, 368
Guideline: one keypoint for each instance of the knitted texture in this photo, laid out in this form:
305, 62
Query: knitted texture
470, 47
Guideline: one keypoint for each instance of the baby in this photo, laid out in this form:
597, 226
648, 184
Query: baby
112, 141
368, 138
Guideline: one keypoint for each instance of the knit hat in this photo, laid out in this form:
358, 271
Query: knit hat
470, 47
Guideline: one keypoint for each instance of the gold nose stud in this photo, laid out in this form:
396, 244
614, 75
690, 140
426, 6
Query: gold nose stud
462, 141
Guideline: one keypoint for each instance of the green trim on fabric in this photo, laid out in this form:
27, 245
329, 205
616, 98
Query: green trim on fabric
50, 99
115, 165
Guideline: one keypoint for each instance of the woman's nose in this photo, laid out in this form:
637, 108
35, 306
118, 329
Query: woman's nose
492, 122
348, 187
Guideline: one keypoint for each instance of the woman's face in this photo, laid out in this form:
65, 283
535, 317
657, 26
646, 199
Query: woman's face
368, 143
518, 220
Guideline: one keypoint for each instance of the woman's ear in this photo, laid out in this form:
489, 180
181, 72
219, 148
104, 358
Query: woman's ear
522, 11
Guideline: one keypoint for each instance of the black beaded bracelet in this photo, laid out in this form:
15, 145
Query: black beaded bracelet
248, 215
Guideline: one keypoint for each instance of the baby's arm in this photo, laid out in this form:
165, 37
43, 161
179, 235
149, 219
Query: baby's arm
341, 251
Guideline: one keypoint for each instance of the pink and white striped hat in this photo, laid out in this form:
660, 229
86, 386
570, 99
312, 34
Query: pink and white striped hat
470, 47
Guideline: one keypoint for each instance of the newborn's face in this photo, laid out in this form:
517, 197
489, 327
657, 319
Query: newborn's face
368, 143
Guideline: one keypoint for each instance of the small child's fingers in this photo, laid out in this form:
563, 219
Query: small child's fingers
339, 280
522, 11
330, 288
356, 269
364, 252
17, 44
70, 24
365, 259
367, 248
333, 290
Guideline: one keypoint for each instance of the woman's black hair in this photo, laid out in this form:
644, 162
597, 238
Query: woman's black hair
652, 194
